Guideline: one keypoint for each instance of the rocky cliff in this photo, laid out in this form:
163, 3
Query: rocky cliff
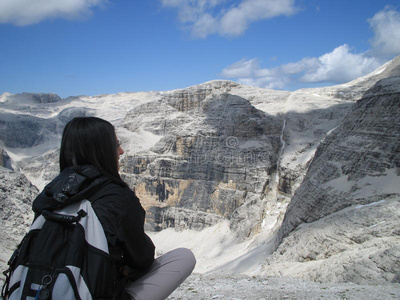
356, 162
216, 154
358, 244
235, 152
5, 160
16, 197
345, 214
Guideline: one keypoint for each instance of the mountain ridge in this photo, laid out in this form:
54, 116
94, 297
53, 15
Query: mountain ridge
260, 169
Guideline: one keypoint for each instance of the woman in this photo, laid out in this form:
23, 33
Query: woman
89, 165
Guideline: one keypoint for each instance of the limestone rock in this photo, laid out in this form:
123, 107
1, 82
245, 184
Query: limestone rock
344, 215
26, 131
16, 197
358, 163
5, 160
40, 171
216, 152
39, 98
45, 98
396, 278
358, 244
221, 153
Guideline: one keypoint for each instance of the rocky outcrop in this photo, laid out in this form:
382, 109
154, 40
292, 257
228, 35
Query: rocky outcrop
39, 98
357, 244
45, 98
41, 171
5, 160
16, 196
159, 218
33, 131
2, 157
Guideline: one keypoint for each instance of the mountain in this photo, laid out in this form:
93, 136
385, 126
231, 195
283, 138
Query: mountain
254, 181
350, 194
357, 163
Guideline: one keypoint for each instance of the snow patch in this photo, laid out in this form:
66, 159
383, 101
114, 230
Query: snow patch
217, 248
369, 204
18, 154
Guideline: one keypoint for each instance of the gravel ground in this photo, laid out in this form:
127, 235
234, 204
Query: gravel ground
239, 287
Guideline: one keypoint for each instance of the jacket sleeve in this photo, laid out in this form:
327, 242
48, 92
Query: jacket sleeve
138, 247
122, 217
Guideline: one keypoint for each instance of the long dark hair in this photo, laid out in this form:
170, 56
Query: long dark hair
91, 141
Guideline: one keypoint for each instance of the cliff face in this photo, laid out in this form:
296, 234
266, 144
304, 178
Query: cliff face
217, 152
230, 151
5, 160
354, 164
16, 197
30, 120
345, 215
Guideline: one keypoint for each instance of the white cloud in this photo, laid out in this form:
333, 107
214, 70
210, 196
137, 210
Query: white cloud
204, 26
205, 17
386, 27
190, 11
242, 69
338, 66
236, 20
26, 12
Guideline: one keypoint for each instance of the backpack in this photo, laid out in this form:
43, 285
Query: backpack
64, 255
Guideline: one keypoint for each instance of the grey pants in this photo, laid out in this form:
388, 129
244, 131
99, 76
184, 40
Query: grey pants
166, 274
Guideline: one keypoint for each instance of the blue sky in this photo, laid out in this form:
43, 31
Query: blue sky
91, 47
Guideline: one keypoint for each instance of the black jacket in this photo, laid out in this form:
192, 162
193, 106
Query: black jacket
117, 208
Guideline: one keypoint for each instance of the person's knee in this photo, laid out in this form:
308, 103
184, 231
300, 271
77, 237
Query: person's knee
187, 257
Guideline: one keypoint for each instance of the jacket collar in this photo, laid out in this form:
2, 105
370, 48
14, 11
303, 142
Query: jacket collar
72, 185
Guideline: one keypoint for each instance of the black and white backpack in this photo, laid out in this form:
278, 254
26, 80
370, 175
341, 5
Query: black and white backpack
64, 255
